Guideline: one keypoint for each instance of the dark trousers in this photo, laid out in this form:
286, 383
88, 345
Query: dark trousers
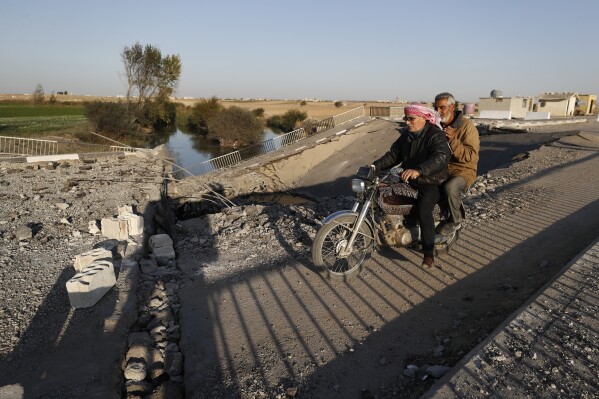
428, 196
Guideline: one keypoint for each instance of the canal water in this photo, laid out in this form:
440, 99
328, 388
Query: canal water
190, 149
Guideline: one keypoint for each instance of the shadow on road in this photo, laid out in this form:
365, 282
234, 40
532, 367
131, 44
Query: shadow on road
280, 326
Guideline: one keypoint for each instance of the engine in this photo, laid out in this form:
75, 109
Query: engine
396, 234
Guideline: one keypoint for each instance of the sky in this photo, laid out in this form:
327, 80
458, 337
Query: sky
325, 49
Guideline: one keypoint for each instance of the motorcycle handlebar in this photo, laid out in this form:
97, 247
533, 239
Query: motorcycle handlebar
370, 173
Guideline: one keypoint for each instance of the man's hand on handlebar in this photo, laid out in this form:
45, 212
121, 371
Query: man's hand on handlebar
409, 174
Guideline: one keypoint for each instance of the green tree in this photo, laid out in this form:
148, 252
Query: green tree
38, 94
286, 122
108, 117
235, 126
201, 114
149, 74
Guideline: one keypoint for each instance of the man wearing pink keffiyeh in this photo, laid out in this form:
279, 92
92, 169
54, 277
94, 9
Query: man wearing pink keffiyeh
423, 153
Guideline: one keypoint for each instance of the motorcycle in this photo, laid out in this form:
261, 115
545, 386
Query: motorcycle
380, 217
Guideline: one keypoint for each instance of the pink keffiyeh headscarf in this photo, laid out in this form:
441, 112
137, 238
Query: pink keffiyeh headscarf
429, 114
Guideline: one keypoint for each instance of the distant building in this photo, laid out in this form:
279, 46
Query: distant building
558, 104
518, 106
586, 104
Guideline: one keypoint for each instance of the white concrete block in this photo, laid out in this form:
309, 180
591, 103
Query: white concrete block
124, 209
135, 223
491, 114
88, 286
51, 158
85, 259
533, 116
115, 228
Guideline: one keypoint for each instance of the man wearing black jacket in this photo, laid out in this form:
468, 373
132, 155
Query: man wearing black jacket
423, 153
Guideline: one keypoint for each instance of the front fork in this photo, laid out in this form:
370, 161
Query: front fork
350, 243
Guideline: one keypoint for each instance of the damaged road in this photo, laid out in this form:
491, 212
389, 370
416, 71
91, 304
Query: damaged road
258, 321
254, 319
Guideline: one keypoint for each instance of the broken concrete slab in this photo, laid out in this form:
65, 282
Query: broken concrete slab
88, 286
85, 259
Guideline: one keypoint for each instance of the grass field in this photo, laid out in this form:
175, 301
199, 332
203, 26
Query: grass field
24, 119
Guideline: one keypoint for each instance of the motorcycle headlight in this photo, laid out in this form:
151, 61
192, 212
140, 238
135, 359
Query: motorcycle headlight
358, 185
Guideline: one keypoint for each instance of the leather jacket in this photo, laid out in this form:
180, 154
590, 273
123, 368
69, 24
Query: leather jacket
428, 152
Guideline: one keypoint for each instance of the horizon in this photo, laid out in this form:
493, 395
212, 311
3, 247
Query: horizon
351, 50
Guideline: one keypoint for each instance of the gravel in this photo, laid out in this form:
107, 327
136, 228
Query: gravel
47, 209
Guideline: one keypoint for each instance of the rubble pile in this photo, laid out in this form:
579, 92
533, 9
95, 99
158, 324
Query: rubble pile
50, 217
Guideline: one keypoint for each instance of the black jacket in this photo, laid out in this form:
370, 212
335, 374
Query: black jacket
428, 153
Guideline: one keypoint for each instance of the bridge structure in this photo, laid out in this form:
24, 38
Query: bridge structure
238, 156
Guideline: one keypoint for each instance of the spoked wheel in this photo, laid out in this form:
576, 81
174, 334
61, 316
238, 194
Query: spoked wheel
328, 249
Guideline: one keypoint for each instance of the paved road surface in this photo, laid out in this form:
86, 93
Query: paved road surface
333, 177
286, 327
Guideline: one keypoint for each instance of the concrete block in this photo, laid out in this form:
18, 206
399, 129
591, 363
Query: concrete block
160, 240
490, 114
161, 245
85, 259
115, 228
124, 209
165, 252
135, 223
532, 116
88, 286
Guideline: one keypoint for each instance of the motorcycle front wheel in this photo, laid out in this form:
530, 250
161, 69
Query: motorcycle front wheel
331, 240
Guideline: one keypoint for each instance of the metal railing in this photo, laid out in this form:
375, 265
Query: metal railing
267, 146
121, 148
24, 146
20, 146
349, 116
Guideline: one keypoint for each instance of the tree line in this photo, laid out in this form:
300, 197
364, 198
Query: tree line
152, 78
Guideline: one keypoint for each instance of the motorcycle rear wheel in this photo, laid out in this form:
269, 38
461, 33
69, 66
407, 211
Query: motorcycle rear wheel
331, 239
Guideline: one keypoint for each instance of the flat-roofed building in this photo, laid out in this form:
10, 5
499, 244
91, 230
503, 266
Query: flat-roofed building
558, 104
